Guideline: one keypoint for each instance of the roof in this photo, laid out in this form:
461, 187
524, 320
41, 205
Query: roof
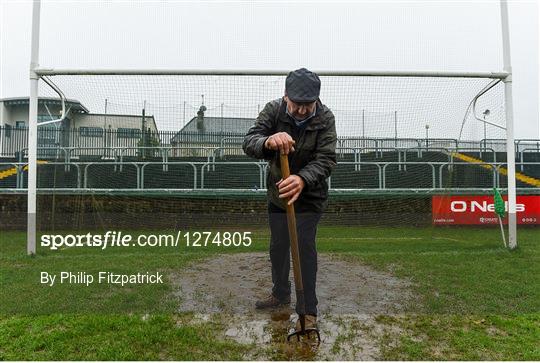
213, 127
75, 105
220, 124
121, 115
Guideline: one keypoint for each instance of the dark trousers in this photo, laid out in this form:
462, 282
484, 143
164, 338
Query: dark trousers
306, 225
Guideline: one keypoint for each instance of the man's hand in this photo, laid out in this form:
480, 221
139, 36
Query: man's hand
281, 141
290, 188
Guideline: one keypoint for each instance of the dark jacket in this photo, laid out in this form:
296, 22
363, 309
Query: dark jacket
313, 159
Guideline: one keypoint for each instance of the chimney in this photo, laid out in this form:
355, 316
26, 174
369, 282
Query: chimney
200, 118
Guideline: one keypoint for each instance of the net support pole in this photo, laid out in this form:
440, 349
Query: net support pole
32, 132
510, 147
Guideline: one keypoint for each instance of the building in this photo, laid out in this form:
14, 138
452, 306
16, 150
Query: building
84, 132
211, 132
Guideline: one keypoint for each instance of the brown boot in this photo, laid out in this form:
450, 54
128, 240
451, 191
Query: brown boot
271, 302
311, 322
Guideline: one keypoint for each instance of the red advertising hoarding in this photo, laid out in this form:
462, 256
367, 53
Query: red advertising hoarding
479, 210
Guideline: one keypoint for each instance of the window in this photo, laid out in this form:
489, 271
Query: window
125, 133
91, 131
20, 124
7, 129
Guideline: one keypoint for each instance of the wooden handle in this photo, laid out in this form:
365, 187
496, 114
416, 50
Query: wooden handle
285, 172
293, 237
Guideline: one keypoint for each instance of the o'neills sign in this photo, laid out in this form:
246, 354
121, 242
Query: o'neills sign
481, 210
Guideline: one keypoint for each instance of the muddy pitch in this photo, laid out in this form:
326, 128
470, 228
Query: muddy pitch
351, 297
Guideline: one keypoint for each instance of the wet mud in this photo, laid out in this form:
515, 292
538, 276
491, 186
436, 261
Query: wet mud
351, 297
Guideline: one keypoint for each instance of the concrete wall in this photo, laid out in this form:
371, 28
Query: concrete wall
20, 113
4, 114
113, 122
17, 139
110, 137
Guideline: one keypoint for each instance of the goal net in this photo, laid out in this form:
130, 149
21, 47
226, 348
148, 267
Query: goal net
151, 151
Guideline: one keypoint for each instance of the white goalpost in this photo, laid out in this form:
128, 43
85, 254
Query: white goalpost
510, 147
37, 73
32, 132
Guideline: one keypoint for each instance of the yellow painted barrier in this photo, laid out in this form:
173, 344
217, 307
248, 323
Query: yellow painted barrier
12, 171
519, 176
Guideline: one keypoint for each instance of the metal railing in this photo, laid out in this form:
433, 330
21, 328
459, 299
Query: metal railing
210, 153
523, 152
83, 171
261, 167
20, 167
101, 144
167, 169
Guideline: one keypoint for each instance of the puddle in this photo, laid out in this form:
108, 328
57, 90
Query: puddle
350, 296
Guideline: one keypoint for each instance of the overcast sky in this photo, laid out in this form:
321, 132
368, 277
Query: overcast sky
399, 35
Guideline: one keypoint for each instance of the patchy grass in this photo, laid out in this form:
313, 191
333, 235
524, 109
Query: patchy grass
470, 337
112, 337
455, 270
478, 300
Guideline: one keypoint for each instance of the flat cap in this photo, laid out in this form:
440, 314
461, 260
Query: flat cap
302, 85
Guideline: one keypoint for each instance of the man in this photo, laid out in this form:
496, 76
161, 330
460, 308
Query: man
300, 126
